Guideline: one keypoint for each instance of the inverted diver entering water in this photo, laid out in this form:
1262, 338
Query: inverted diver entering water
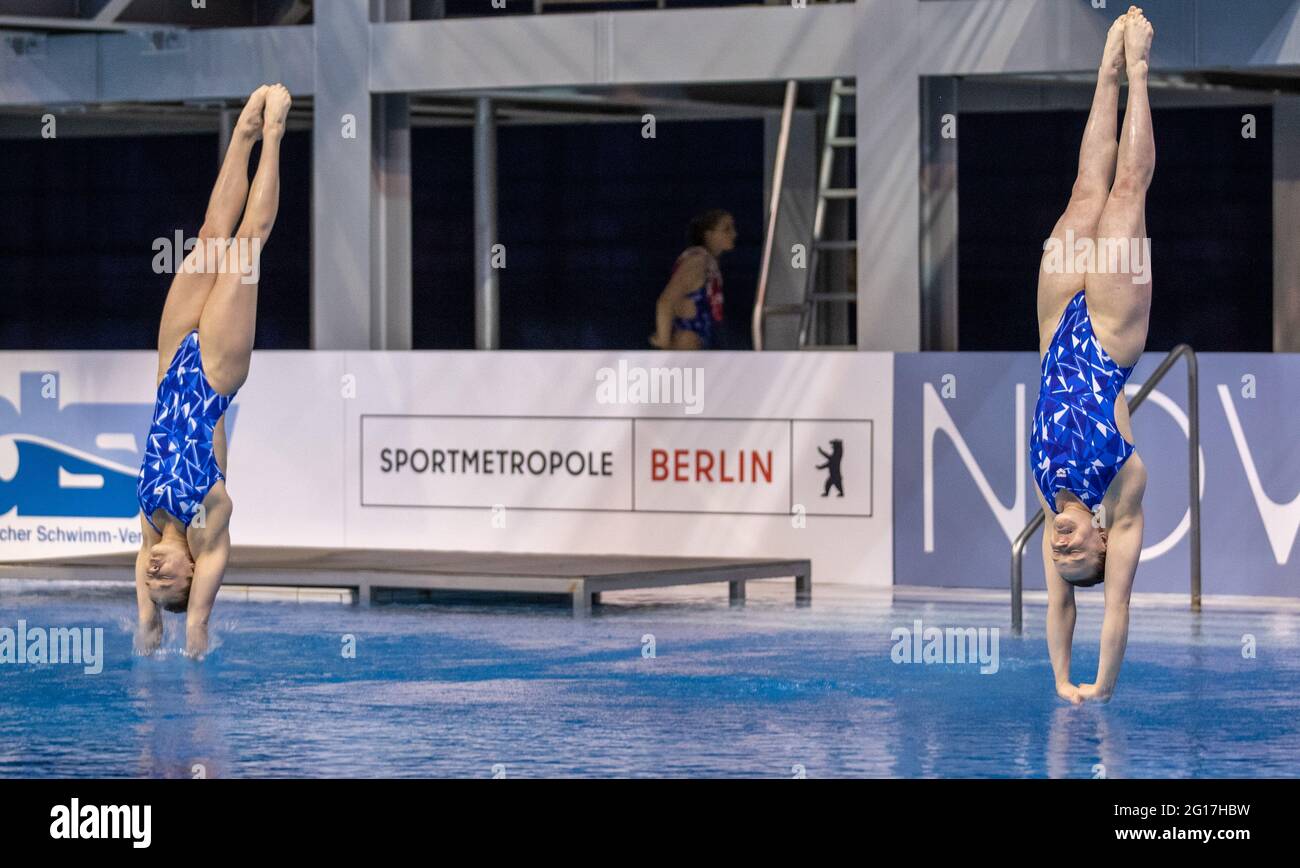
1092, 330
205, 345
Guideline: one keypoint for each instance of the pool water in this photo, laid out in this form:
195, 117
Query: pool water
655, 684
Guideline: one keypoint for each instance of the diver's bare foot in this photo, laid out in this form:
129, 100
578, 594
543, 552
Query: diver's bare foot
277, 110
249, 124
1138, 34
1112, 56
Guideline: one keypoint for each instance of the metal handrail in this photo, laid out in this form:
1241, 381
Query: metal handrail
1194, 484
774, 209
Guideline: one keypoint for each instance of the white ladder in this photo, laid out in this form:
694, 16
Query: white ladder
833, 144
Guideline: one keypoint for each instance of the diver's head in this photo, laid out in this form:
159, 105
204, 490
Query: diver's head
715, 229
169, 573
1078, 546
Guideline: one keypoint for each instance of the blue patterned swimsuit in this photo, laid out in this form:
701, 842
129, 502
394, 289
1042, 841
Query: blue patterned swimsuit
1075, 443
180, 467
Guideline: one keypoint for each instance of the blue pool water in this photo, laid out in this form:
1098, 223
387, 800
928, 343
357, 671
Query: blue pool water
525, 691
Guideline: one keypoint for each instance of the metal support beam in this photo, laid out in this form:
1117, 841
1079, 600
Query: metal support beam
888, 162
341, 181
214, 64
652, 46
1286, 225
487, 307
736, 593
939, 213
803, 587
390, 251
581, 599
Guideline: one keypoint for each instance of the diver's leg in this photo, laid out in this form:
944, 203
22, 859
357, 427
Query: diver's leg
1057, 283
193, 283
228, 323
1121, 297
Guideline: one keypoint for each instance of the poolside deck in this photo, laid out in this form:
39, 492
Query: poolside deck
581, 577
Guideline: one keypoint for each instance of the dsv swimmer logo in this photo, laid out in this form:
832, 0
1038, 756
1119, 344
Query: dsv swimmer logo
77, 460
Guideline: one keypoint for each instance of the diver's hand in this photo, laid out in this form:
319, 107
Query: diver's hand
658, 342
1094, 693
1069, 693
196, 640
148, 636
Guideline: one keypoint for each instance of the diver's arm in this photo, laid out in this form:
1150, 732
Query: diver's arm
149, 629
688, 276
1123, 547
1123, 550
211, 549
209, 568
1061, 615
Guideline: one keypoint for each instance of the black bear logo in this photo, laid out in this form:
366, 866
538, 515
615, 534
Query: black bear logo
832, 468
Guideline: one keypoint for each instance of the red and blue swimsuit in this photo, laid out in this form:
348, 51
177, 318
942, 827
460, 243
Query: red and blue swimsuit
707, 300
